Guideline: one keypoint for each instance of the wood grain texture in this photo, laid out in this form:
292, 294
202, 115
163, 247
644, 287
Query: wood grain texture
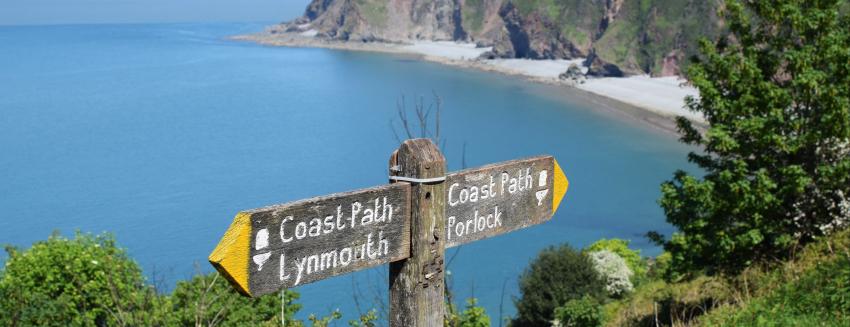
309, 240
417, 283
498, 198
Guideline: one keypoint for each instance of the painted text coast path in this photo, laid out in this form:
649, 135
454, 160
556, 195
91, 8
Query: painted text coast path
292, 244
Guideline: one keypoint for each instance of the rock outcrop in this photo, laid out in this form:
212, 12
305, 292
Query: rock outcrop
617, 37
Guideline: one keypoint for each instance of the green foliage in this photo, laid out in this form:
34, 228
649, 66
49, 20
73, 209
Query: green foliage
366, 320
813, 289
621, 248
776, 156
662, 268
676, 304
90, 281
556, 276
210, 300
473, 12
472, 315
577, 21
324, 321
82, 281
647, 31
821, 295
374, 11
584, 312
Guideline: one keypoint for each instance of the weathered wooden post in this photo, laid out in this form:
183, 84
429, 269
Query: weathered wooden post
417, 283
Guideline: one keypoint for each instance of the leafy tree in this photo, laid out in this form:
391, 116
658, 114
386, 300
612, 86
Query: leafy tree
584, 312
621, 248
661, 268
85, 281
776, 155
556, 276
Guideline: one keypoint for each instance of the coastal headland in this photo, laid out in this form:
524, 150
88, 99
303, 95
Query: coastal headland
632, 54
655, 100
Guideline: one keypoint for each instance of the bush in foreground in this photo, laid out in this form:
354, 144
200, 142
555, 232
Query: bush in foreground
86, 280
90, 281
556, 276
584, 312
208, 300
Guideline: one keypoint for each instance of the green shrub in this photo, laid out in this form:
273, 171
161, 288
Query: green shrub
90, 281
83, 281
584, 312
210, 300
473, 315
556, 276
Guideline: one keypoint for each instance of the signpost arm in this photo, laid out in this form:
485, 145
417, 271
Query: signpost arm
417, 283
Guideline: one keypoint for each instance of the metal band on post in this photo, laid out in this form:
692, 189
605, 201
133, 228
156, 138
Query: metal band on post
418, 180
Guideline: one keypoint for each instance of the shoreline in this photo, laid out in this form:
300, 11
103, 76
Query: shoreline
652, 101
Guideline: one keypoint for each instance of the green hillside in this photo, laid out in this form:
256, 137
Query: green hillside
811, 290
648, 31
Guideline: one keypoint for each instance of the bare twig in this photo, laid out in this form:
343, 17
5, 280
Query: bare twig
502, 302
423, 116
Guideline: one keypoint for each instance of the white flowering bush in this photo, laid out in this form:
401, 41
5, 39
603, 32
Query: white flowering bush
614, 271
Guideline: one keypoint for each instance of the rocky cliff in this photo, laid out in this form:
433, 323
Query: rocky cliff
618, 37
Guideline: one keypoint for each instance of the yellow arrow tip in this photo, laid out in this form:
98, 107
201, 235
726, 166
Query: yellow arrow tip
561, 186
230, 256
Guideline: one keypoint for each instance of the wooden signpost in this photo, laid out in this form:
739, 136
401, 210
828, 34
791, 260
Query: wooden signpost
408, 223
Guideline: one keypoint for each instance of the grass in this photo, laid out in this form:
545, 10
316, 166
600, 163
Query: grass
811, 290
667, 303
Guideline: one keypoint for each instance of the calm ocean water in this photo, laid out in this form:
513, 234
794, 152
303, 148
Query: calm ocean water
159, 134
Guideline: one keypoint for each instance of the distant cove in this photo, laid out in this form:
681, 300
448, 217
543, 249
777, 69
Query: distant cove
161, 133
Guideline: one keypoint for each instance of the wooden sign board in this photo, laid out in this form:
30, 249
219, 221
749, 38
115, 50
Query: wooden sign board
499, 198
292, 244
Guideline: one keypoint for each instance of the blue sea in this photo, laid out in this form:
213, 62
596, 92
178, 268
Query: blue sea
160, 134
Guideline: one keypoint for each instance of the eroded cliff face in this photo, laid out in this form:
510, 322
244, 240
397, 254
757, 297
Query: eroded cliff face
383, 20
618, 37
